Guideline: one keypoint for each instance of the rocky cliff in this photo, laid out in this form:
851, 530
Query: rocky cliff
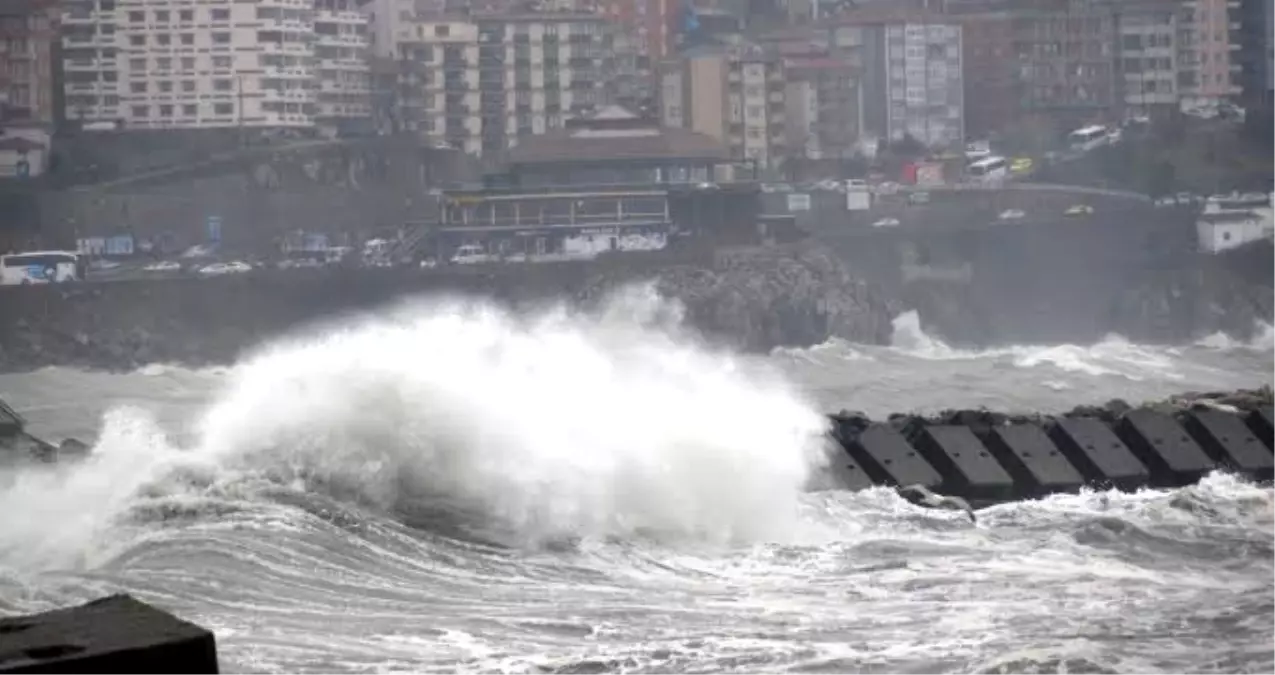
759, 300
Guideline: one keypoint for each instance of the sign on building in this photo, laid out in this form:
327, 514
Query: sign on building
798, 202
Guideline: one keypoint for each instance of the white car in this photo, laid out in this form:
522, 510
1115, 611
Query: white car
1012, 214
164, 266
886, 222
218, 269
1079, 210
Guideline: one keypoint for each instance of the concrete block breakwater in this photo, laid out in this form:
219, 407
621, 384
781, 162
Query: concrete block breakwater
986, 457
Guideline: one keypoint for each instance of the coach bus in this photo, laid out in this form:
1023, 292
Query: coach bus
989, 169
41, 267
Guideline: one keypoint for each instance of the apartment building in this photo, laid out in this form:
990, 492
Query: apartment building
912, 73
181, 64
28, 37
734, 93
1151, 56
1211, 35
479, 83
1257, 51
822, 97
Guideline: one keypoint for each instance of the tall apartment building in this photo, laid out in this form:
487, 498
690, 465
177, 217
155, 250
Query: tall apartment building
1151, 55
28, 37
912, 73
176, 64
1257, 51
1211, 43
734, 93
822, 97
479, 83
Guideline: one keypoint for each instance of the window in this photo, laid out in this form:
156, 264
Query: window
137, 40
161, 16
165, 111
137, 87
188, 63
138, 65
164, 39
188, 39
220, 62
164, 63
442, 30
186, 15
221, 38
137, 17
141, 110
220, 14
188, 85
223, 109
190, 109
221, 85
165, 86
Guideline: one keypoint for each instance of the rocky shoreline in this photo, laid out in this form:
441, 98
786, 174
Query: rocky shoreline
754, 300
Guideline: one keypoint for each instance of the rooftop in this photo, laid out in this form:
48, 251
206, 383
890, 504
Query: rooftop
614, 133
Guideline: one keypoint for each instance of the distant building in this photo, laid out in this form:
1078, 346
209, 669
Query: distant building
911, 73
734, 93
1152, 54
1254, 55
28, 41
990, 72
179, 64
480, 83
1212, 42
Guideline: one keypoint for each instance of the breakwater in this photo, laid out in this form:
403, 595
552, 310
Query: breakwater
987, 457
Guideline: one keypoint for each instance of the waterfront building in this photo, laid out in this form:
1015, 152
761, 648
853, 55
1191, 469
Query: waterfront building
480, 83
192, 64
732, 92
28, 42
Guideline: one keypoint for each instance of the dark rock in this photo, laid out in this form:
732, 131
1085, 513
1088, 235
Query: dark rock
116, 634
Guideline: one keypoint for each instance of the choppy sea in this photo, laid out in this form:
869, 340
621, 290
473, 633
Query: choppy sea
445, 486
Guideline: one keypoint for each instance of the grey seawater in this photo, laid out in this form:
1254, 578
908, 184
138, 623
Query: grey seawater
453, 488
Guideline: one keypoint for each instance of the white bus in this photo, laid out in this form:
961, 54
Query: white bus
1088, 138
989, 169
41, 267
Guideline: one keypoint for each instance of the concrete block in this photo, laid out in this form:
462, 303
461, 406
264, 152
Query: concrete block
1229, 442
116, 634
966, 465
1159, 442
1100, 456
890, 459
1035, 464
1259, 422
845, 474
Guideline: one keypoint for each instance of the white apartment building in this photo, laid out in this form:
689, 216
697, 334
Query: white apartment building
180, 64
733, 93
913, 79
479, 84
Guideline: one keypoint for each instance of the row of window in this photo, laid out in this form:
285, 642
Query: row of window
221, 14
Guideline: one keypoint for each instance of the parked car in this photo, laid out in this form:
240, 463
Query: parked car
221, 268
163, 266
886, 222
1012, 214
1079, 210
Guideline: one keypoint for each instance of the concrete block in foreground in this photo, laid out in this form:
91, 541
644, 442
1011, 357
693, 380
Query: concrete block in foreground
1157, 439
115, 634
1260, 422
1229, 442
1033, 460
889, 459
1095, 450
969, 470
